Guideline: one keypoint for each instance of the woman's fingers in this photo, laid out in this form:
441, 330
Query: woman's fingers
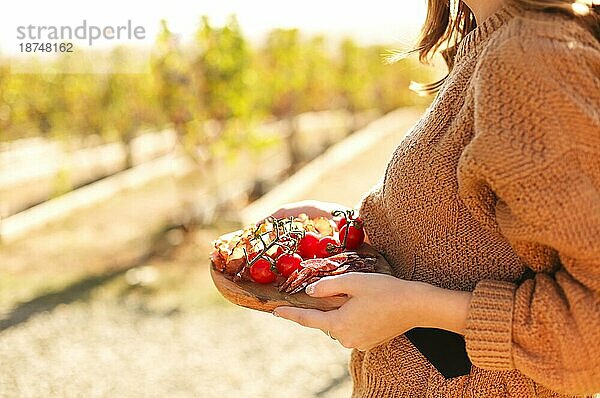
305, 317
334, 285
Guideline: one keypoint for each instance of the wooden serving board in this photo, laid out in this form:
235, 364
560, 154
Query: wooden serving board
266, 297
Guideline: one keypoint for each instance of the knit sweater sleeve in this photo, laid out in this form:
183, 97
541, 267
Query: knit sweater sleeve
536, 152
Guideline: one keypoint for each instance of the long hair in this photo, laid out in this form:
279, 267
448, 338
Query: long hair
449, 21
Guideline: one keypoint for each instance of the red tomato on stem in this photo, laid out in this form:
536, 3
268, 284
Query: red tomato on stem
356, 234
261, 272
308, 246
288, 263
327, 246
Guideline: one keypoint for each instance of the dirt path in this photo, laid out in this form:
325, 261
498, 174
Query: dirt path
103, 349
171, 335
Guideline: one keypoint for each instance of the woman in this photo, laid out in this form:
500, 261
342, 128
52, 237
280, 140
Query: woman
489, 214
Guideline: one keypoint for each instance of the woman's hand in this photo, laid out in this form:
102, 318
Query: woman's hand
380, 307
312, 208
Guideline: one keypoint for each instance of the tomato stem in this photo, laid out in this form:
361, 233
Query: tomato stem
348, 215
287, 236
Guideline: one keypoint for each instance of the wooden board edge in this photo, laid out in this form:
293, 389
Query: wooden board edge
237, 295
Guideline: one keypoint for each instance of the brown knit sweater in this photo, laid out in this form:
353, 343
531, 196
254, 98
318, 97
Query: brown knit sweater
501, 176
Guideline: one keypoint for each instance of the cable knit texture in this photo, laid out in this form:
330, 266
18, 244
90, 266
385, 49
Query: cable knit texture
496, 190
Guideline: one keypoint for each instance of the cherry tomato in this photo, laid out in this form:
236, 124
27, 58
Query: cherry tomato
308, 246
327, 246
356, 234
288, 263
341, 222
260, 272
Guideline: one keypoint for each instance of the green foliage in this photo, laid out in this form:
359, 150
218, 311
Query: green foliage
284, 72
222, 71
321, 72
351, 79
218, 76
125, 113
174, 88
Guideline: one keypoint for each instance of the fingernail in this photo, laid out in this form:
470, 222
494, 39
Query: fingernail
310, 289
275, 313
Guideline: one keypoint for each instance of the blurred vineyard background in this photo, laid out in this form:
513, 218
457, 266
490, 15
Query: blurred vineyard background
218, 75
113, 185
211, 98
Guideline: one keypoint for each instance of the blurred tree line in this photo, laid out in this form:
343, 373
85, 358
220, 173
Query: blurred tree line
219, 76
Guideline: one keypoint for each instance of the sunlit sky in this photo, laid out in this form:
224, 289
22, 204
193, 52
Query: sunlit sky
374, 21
